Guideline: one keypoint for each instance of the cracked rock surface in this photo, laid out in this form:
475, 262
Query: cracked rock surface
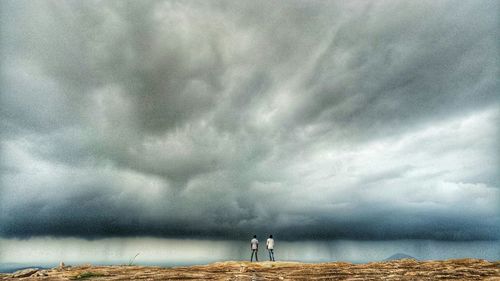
457, 269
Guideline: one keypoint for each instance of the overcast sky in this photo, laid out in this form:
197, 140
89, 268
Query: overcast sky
220, 119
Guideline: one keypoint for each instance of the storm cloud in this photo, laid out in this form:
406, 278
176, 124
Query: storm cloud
307, 119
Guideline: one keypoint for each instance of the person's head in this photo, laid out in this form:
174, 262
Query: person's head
271, 236
255, 236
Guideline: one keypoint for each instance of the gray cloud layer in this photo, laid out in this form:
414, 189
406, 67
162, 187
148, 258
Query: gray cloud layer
222, 118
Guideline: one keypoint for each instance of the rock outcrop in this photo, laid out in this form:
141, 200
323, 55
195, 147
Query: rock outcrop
406, 269
24, 272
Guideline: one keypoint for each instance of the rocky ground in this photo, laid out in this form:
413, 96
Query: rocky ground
458, 269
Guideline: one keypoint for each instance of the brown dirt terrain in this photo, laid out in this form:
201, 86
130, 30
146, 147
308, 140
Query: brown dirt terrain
458, 269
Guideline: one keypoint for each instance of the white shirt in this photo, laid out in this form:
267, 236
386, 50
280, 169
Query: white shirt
270, 243
255, 244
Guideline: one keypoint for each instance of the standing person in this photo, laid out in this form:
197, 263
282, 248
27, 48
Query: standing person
254, 245
270, 247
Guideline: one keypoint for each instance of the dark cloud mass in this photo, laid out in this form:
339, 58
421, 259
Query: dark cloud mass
308, 119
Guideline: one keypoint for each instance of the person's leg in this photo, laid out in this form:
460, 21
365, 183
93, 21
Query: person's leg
269, 250
256, 257
251, 258
272, 254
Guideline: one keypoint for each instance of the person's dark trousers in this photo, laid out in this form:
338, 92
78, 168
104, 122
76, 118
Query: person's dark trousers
256, 258
271, 254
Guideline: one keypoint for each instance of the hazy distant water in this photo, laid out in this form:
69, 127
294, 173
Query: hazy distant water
168, 252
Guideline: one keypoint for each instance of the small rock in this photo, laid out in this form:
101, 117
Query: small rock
24, 273
84, 266
40, 273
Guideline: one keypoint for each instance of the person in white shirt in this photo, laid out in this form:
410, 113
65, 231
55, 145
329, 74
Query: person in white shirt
254, 245
270, 247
